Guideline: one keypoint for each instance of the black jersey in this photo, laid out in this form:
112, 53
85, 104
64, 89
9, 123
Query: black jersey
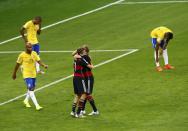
79, 67
87, 71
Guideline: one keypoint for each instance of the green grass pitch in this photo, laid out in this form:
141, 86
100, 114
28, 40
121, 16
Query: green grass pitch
129, 93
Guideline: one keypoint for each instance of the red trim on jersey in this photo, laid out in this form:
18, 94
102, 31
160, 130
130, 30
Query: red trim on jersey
79, 67
78, 74
88, 73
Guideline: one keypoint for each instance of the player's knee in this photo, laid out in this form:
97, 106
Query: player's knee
76, 99
83, 96
89, 97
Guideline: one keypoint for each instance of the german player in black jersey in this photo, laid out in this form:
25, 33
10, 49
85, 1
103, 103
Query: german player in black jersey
79, 84
89, 81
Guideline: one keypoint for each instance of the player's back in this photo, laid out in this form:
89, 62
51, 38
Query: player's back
87, 71
159, 32
78, 67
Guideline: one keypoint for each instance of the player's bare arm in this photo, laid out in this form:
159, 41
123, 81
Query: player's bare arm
39, 30
15, 71
22, 32
42, 64
74, 53
90, 66
77, 56
157, 52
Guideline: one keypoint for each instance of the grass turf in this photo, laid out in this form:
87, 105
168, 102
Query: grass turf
129, 93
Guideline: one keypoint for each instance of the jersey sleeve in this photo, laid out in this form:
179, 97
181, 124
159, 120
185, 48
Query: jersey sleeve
20, 59
87, 58
84, 62
37, 58
26, 25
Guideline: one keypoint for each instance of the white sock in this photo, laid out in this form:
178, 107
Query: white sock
37, 67
27, 96
157, 63
165, 56
32, 95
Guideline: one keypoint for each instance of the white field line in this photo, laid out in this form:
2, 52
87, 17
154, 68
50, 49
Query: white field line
68, 19
152, 2
70, 76
67, 51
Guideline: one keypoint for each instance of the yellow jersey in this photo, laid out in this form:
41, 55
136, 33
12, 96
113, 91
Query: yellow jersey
159, 32
28, 64
31, 30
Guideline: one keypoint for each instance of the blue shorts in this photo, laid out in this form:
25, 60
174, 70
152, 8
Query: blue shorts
30, 82
154, 42
36, 48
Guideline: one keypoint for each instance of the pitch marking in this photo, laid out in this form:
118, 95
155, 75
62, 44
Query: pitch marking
151, 2
70, 76
65, 20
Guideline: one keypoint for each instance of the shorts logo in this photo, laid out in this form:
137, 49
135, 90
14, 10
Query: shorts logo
29, 85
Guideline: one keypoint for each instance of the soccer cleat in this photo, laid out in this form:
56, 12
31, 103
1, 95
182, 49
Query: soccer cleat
93, 113
26, 103
159, 69
83, 112
72, 113
38, 107
79, 116
168, 67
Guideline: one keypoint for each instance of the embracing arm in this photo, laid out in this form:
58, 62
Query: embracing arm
90, 66
74, 53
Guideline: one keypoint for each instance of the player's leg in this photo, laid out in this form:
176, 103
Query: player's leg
82, 91
80, 105
90, 97
76, 97
26, 100
92, 103
84, 104
74, 105
31, 86
165, 56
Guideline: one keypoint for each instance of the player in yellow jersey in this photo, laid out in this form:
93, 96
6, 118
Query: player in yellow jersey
160, 39
29, 33
28, 59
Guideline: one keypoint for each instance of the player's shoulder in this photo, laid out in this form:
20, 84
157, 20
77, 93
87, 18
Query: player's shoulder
33, 53
84, 56
87, 57
22, 53
28, 23
155, 30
